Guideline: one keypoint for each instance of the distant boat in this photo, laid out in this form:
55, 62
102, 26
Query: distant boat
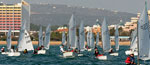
144, 35
8, 42
46, 40
71, 40
133, 44
116, 42
82, 37
116, 38
105, 40
105, 37
47, 37
40, 42
24, 41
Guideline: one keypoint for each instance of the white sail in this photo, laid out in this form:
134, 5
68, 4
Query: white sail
24, 41
116, 38
76, 42
92, 45
133, 44
9, 39
97, 39
143, 34
72, 32
40, 43
47, 37
105, 37
88, 39
82, 36
63, 38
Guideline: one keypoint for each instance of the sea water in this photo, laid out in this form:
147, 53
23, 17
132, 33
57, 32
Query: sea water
54, 57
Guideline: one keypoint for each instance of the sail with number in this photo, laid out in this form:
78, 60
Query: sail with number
47, 37
116, 38
143, 35
72, 32
82, 36
105, 37
63, 38
40, 43
9, 39
24, 41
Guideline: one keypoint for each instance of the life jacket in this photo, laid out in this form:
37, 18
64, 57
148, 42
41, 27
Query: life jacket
128, 60
72, 50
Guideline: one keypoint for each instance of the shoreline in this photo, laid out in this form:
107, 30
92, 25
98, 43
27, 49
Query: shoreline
125, 43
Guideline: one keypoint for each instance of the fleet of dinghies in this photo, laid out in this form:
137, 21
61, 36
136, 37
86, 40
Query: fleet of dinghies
25, 43
76, 45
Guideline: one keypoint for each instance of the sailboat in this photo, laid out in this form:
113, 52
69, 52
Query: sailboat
8, 42
24, 42
143, 35
82, 37
116, 41
40, 42
88, 41
72, 38
133, 45
46, 40
105, 40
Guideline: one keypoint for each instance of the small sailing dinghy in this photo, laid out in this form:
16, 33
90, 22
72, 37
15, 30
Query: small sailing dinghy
81, 44
40, 43
24, 42
116, 41
46, 40
8, 42
88, 42
71, 44
105, 40
133, 45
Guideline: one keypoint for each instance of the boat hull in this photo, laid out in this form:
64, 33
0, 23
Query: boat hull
68, 54
41, 51
114, 54
128, 52
14, 54
4, 53
102, 57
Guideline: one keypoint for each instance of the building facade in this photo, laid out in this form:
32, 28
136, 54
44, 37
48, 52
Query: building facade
10, 17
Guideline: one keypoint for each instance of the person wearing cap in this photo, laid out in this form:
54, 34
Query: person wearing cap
130, 60
3, 49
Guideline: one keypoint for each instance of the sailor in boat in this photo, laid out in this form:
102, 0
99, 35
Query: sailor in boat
62, 49
3, 49
130, 60
97, 53
111, 50
25, 51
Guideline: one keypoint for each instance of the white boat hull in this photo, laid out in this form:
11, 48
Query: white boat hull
128, 52
89, 49
4, 53
68, 54
80, 54
14, 54
41, 51
114, 54
102, 57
